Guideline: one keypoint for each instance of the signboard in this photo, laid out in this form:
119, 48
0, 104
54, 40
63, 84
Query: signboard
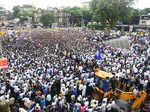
54, 25
3, 63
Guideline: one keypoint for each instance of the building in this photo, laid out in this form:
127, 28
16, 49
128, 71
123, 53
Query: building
86, 5
27, 12
145, 20
37, 15
3, 15
28, 9
61, 16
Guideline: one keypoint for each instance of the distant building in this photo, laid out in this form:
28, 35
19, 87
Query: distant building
61, 16
145, 20
37, 15
27, 8
3, 15
86, 4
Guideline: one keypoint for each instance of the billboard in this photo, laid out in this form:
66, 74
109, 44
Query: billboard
3, 63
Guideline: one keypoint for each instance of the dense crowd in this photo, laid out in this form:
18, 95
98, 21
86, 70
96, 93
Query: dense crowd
54, 71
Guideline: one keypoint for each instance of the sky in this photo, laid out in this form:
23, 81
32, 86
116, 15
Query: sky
8, 4
141, 4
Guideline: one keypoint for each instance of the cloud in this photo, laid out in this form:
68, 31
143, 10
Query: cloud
8, 4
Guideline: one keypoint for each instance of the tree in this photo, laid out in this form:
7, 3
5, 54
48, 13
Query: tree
87, 15
76, 15
47, 19
126, 11
145, 11
23, 14
135, 16
93, 7
16, 11
111, 11
10, 15
28, 13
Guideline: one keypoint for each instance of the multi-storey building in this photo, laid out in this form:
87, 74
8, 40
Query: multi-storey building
61, 16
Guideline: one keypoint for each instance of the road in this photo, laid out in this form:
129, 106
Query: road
121, 42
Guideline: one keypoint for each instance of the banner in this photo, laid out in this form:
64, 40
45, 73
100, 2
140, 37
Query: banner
98, 54
3, 63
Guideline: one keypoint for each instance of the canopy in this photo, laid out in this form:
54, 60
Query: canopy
103, 74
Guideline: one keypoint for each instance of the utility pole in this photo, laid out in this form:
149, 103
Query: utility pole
82, 22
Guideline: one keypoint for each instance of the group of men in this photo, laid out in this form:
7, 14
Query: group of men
54, 71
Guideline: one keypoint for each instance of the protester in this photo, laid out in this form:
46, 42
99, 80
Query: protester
55, 70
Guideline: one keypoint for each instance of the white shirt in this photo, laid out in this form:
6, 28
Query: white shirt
135, 91
86, 103
81, 87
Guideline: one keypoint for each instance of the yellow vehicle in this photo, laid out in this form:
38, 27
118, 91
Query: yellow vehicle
103, 75
5, 105
98, 91
134, 100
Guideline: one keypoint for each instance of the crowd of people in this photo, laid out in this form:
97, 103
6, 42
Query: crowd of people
54, 71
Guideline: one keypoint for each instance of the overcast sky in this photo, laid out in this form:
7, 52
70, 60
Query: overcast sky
8, 4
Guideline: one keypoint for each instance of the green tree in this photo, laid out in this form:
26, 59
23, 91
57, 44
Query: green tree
93, 7
16, 11
10, 15
23, 14
126, 11
145, 11
76, 15
29, 13
47, 19
87, 15
111, 11
135, 16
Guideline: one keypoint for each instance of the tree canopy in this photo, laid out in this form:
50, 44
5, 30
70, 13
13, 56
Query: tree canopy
79, 15
47, 19
16, 11
111, 11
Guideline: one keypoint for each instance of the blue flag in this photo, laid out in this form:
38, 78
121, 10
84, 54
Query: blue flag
98, 54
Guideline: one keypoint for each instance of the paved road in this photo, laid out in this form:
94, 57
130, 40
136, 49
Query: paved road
121, 42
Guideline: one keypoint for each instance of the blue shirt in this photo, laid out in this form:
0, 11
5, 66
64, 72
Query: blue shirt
75, 110
45, 91
42, 103
75, 91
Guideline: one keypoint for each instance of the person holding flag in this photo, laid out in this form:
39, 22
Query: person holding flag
98, 54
